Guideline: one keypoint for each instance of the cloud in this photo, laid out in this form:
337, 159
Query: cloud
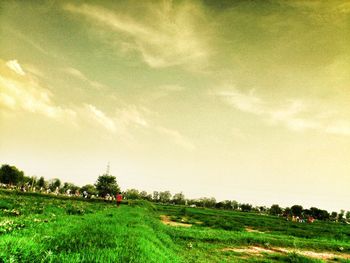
79, 75
13, 65
128, 120
176, 137
100, 117
243, 102
296, 115
339, 128
23, 92
169, 36
133, 115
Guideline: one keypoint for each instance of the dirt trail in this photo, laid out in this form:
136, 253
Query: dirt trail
166, 220
252, 230
307, 253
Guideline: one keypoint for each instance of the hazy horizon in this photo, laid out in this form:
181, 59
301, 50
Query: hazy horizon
239, 100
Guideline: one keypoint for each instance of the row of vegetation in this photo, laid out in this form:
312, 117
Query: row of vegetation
106, 186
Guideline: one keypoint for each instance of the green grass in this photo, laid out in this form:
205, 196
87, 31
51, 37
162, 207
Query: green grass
37, 228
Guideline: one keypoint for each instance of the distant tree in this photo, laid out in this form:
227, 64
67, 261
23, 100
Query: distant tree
315, 212
263, 209
324, 215
179, 198
32, 182
145, 196
334, 216
206, 202
26, 180
210, 202
164, 197
90, 189
296, 210
219, 205
306, 212
132, 194
54, 184
341, 215
10, 175
319, 214
234, 205
246, 207
190, 201
275, 210
347, 215
107, 184
72, 188
155, 196
41, 183
227, 204
287, 211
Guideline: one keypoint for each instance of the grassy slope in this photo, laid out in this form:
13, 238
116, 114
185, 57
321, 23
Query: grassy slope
58, 230
75, 231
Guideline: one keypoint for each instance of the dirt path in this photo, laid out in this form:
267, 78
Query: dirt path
252, 230
307, 253
166, 220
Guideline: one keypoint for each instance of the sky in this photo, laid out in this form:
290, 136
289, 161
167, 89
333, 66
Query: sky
239, 100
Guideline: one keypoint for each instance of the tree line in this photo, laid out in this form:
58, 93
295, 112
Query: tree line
106, 186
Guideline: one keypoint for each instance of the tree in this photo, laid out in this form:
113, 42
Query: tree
263, 209
107, 184
164, 197
246, 207
145, 196
41, 183
347, 215
334, 216
90, 189
296, 210
275, 210
179, 199
54, 184
219, 205
132, 194
10, 175
155, 196
287, 211
69, 186
234, 204
207, 202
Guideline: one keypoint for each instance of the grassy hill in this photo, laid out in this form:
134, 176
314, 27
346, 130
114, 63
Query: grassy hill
41, 228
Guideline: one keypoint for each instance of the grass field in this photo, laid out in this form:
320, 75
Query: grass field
36, 228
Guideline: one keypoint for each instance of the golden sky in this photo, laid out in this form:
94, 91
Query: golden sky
240, 100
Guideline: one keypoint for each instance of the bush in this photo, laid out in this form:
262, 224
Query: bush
74, 210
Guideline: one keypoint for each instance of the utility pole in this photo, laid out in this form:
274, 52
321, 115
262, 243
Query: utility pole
108, 168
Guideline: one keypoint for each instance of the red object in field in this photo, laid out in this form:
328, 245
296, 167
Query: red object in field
119, 197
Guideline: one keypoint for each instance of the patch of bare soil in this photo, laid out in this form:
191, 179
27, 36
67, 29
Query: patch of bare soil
166, 220
307, 253
252, 230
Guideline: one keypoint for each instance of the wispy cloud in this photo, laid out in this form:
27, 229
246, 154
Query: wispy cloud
13, 65
23, 92
129, 120
171, 38
293, 114
78, 74
100, 117
176, 137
